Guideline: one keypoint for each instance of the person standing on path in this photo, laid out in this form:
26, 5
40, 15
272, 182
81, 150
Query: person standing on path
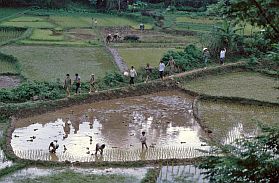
133, 74
206, 56
171, 63
92, 83
222, 56
77, 80
67, 84
148, 71
161, 69
143, 140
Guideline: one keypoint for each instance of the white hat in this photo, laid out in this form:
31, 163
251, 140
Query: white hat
204, 49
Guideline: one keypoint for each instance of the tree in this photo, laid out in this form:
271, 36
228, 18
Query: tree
247, 160
263, 13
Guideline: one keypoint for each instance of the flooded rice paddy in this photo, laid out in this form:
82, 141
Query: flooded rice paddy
182, 173
230, 121
166, 117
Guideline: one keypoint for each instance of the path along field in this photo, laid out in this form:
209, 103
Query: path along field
241, 84
49, 63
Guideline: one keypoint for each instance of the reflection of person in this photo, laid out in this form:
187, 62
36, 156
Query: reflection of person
67, 84
92, 83
161, 69
99, 158
143, 155
53, 146
66, 129
148, 71
143, 140
53, 157
171, 63
100, 148
222, 56
77, 80
133, 73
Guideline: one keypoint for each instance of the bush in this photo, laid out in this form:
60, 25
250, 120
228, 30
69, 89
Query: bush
190, 58
131, 38
27, 90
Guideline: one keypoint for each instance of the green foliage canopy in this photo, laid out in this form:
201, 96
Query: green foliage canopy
247, 160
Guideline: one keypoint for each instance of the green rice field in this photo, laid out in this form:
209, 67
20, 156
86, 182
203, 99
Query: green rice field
8, 34
45, 63
139, 57
229, 121
28, 21
7, 12
8, 67
241, 84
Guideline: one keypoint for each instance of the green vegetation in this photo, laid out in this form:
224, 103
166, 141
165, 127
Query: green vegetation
28, 21
8, 12
8, 64
73, 177
139, 57
45, 35
231, 120
25, 92
247, 160
44, 63
244, 84
7, 34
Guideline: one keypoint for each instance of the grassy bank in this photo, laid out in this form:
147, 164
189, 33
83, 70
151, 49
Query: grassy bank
241, 84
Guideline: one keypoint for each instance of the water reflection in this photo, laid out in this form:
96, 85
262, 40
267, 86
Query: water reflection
166, 117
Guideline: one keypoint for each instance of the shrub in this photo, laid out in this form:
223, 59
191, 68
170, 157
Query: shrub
188, 59
27, 90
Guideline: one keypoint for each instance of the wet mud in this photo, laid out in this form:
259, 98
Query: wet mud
166, 117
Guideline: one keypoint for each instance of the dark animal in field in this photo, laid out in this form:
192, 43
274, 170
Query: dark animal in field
108, 38
116, 37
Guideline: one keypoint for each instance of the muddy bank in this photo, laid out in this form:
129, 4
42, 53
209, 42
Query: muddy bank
39, 107
34, 172
122, 66
9, 81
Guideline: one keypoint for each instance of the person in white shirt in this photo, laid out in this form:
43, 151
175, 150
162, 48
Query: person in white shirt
161, 69
133, 74
143, 140
222, 56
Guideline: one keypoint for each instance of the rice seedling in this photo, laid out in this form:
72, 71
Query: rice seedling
9, 34
111, 155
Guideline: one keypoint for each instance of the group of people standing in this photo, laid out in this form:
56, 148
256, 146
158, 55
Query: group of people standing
77, 82
148, 70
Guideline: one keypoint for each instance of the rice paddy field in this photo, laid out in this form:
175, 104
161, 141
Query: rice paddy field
8, 67
8, 12
230, 121
241, 84
28, 21
139, 57
9, 34
45, 63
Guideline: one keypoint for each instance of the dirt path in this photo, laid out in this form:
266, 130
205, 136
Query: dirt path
118, 59
196, 71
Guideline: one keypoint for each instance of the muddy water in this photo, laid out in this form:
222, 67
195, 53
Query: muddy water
183, 173
3, 160
166, 117
230, 121
9, 81
34, 172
